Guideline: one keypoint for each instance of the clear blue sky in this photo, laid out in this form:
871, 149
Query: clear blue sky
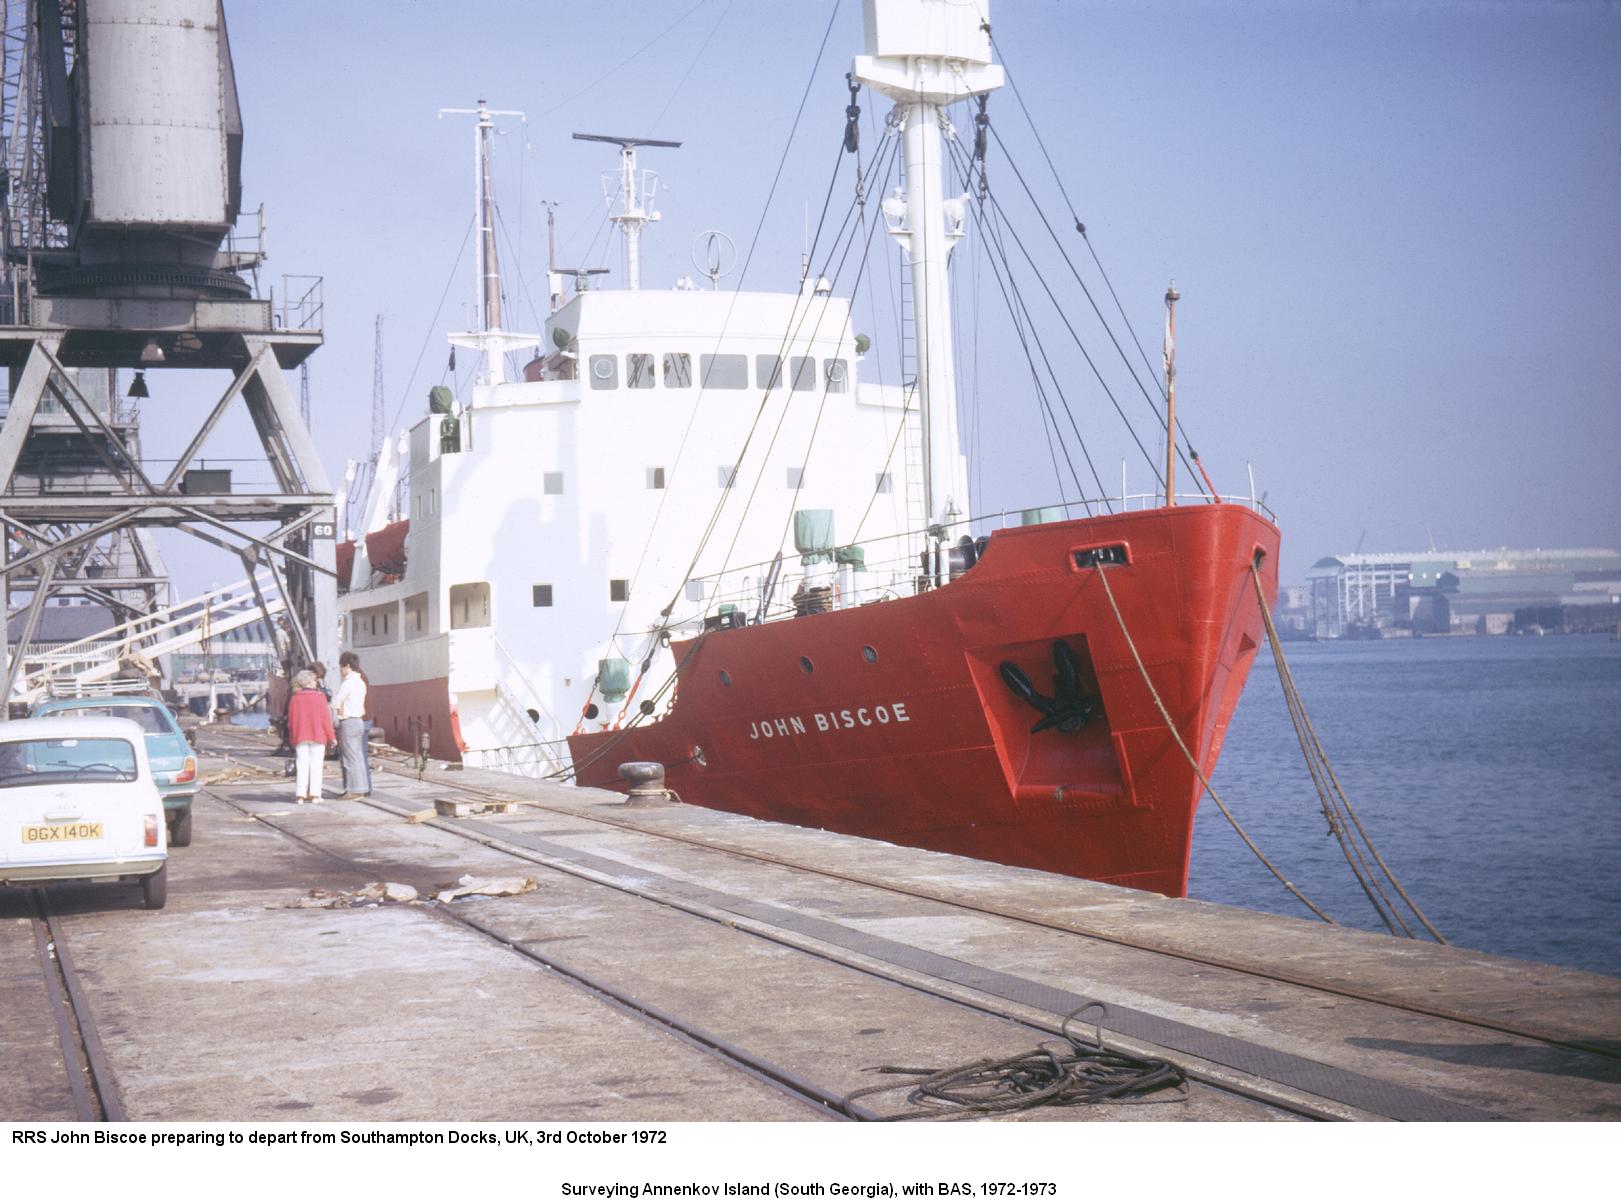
1396, 226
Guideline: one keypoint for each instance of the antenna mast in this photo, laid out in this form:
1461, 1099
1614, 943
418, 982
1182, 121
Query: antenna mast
636, 193
377, 416
488, 339
1171, 297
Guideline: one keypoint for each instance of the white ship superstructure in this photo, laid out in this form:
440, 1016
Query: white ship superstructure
553, 519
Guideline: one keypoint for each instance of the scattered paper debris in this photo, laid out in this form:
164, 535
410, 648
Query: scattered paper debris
233, 775
497, 886
374, 893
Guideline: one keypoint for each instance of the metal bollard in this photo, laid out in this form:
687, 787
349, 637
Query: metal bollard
646, 783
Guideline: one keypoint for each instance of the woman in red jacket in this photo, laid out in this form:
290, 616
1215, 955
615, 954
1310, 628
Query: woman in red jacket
309, 729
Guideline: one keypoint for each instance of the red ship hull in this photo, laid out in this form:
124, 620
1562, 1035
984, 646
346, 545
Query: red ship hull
895, 721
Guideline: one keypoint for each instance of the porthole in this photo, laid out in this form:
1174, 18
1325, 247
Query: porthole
591, 712
725, 678
805, 665
870, 655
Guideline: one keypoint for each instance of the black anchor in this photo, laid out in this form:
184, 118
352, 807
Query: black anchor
1069, 710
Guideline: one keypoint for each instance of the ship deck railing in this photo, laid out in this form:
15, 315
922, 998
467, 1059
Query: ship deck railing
898, 569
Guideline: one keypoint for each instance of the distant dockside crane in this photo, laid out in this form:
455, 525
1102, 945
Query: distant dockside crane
122, 187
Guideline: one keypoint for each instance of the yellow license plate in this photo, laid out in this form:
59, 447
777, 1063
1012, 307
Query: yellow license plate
67, 832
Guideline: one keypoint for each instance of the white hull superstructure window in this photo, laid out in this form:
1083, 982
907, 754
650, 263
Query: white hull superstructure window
469, 606
724, 370
639, 371
416, 615
678, 371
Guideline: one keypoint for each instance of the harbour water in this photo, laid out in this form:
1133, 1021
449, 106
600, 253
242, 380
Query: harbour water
1487, 770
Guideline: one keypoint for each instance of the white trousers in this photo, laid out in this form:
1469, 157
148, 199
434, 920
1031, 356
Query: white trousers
311, 756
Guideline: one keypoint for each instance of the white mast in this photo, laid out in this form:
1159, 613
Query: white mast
926, 55
489, 340
636, 192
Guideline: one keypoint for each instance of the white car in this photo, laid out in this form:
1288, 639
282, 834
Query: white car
78, 802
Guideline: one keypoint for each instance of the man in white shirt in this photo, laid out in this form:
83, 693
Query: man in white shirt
349, 715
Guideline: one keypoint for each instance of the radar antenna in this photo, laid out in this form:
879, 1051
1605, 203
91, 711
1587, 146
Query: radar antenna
636, 193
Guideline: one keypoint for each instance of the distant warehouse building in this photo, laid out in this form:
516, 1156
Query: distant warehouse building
1483, 591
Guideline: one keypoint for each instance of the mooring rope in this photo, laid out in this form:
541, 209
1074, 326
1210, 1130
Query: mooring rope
1332, 795
1165, 715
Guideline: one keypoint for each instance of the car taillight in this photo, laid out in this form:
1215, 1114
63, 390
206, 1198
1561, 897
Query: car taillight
151, 830
188, 773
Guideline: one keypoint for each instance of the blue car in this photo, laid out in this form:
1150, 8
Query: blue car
174, 762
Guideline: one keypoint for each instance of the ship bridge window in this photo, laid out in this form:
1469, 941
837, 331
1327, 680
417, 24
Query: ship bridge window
796, 477
469, 605
540, 596
837, 374
619, 590
655, 477
802, 373
604, 371
727, 475
886, 483
724, 370
767, 371
638, 371
551, 483
678, 371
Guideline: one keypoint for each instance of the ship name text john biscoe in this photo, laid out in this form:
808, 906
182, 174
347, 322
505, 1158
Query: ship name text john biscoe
829, 722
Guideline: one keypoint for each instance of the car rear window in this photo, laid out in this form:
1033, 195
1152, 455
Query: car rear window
150, 719
66, 760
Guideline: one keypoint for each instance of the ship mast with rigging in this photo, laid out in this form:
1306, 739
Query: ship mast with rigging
490, 341
925, 56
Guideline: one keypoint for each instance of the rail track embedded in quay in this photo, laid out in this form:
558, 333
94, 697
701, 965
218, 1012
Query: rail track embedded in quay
1288, 1083
1151, 946
89, 1078
826, 1103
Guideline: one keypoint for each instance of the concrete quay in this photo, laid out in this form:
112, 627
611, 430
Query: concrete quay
674, 963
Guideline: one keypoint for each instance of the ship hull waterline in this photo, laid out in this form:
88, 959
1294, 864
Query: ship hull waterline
895, 721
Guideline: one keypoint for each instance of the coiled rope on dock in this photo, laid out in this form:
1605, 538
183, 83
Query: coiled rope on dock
1069, 1073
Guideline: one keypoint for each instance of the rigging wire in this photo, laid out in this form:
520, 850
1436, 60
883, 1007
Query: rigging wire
1131, 369
1080, 228
1150, 459
1012, 295
861, 268
433, 324
692, 64
725, 324
624, 62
